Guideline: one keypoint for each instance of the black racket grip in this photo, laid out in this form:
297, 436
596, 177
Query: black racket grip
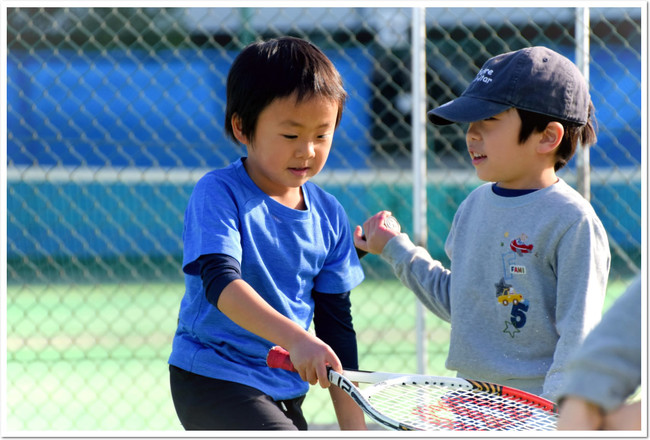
361, 253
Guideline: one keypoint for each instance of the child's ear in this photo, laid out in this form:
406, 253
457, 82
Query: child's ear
551, 137
236, 123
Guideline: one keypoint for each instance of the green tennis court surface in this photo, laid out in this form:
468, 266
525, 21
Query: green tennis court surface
94, 357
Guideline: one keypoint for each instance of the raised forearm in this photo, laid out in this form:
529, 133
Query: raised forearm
246, 308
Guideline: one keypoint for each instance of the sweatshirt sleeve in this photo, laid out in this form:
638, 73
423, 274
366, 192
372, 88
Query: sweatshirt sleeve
606, 369
418, 271
582, 267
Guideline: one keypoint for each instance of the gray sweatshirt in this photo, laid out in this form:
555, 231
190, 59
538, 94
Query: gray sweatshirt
606, 370
527, 282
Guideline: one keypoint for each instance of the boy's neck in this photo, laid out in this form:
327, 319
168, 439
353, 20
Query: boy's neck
505, 192
524, 188
544, 180
287, 196
294, 200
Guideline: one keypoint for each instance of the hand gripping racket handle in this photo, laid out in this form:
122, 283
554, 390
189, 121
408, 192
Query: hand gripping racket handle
278, 357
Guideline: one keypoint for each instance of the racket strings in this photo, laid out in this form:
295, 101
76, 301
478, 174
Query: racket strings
436, 408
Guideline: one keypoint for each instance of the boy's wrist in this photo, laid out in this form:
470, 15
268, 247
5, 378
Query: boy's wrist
577, 413
398, 240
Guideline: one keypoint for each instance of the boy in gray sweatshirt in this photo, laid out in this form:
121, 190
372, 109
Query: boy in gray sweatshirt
529, 257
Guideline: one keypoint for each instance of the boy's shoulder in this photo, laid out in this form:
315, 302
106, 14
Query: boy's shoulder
567, 198
222, 184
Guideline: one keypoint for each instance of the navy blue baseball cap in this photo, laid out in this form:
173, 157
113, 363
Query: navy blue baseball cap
536, 79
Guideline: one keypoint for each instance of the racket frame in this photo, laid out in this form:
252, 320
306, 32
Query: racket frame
278, 357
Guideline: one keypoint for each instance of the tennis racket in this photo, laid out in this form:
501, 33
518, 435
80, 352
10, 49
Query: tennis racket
429, 403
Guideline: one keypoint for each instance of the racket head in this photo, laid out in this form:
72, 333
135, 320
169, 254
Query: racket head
455, 404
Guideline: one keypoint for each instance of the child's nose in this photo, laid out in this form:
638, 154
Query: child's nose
472, 133
306, 149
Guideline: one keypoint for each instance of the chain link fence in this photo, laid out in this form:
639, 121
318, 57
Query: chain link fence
114, 113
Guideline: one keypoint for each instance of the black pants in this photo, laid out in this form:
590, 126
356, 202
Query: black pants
203, 403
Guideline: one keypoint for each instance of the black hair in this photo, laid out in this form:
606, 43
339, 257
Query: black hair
278, 68
573, 133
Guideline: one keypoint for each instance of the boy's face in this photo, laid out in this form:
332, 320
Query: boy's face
291, 144
497, 155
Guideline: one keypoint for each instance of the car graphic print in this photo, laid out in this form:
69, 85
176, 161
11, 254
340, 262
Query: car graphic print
508, 295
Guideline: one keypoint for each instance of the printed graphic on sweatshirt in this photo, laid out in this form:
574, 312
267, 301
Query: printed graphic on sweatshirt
514, 256
519, 245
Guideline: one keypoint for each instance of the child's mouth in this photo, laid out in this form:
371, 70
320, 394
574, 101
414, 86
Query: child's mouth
299, 171
477, 157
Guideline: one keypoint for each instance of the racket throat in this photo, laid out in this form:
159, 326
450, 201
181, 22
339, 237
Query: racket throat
351, 390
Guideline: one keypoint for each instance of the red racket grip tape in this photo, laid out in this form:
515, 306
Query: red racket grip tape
278, 357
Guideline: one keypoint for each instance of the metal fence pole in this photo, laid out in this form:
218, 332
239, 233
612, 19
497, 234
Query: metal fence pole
419, 161
582, 60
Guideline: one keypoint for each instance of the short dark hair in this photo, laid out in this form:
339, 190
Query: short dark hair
573, 133
278, 68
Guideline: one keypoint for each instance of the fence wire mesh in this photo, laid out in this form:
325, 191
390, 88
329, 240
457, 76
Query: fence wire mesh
114, 113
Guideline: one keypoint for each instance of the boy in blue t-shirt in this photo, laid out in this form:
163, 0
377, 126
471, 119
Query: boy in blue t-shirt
265, 252
529, 257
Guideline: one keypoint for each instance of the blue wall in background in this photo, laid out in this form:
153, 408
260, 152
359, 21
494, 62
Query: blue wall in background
133, 109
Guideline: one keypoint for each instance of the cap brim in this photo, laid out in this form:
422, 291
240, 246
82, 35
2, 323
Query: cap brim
465, 109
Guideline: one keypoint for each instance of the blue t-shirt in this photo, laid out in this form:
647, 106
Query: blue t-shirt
284, 254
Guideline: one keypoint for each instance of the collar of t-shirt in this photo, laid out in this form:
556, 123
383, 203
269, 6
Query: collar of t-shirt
507, 192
